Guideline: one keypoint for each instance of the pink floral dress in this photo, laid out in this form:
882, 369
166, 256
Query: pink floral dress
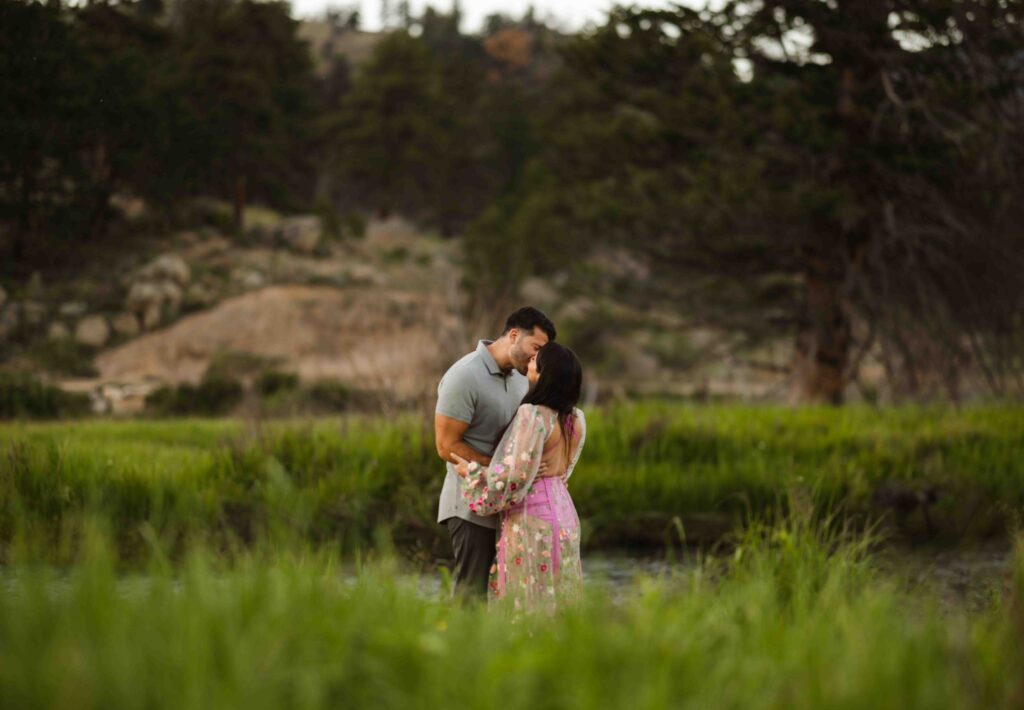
537, 564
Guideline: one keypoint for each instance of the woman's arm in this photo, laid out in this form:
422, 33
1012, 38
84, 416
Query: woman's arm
507, 480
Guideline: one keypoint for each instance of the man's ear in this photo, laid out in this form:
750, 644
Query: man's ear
513, 335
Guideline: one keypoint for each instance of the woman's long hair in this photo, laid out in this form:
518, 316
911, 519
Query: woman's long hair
559, 385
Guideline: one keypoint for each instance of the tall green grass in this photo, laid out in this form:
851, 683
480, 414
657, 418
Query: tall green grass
794, 619
651, 474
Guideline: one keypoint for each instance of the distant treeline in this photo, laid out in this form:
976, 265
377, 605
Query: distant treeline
222, 98
843, 173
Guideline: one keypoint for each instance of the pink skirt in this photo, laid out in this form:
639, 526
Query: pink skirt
538, 556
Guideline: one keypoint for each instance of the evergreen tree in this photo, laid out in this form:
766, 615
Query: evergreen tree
249, 89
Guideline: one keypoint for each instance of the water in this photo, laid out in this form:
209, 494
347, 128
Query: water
968, 579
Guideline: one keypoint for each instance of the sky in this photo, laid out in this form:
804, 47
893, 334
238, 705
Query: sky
566, 14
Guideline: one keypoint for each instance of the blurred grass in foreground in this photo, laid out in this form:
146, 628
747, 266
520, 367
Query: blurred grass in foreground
795, 619
652, 473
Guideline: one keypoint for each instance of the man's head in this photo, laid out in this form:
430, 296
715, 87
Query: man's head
527, 331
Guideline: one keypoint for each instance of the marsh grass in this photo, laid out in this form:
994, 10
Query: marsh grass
796, 618
653, 474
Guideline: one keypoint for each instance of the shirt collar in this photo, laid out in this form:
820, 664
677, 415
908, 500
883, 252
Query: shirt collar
489, 361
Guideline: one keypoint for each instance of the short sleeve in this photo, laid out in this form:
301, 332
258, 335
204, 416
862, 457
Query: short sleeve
456, 395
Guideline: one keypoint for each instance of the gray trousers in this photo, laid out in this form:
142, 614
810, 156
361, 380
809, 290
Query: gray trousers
474, 555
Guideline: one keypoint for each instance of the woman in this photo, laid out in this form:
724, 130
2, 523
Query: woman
537, 564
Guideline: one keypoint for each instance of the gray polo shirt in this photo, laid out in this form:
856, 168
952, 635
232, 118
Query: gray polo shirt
476, 391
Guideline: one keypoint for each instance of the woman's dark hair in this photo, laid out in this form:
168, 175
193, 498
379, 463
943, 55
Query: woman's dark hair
561, 379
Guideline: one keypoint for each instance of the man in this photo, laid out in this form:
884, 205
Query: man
476, 400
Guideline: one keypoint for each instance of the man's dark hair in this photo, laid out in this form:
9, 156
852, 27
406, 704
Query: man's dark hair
529, 318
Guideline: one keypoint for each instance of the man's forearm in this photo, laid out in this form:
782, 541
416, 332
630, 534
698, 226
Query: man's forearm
469, 453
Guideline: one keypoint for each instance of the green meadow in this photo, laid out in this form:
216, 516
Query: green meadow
795, 617
206, 563
652, 475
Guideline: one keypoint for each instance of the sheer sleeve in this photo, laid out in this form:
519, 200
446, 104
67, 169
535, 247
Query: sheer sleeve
514, 465
581, 422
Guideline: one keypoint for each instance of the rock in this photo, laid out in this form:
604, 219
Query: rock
166, 267
170, 296
302, 234
33, 312
73, 309
249, 278
158, 290
145, 297
152, 316
126, 325
58, 331
199, 296
93, 332
141, 294
121, 398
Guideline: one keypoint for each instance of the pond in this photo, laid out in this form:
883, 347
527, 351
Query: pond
967, 578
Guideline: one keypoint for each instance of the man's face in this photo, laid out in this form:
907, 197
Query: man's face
524, 346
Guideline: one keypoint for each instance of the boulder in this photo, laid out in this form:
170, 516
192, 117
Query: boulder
152, 315
301, 234
199, 296
58, 331
171, 296
73, 309
168, 267
126, 325
93, 332
249, 278
141, 294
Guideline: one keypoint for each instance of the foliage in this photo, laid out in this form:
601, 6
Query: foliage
63, 356
273, 382
649, 472
212, 397
795, 621
29, 398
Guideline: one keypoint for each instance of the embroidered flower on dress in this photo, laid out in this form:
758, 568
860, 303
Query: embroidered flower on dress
543, 567
508, 460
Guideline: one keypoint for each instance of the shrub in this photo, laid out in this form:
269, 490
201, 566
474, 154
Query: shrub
63, 356
273, 382
22, 396
331, 395
212, 397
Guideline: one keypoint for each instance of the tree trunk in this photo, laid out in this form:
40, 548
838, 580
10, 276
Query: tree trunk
823, 342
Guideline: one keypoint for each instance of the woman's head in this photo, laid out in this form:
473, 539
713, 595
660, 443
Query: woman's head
556, 377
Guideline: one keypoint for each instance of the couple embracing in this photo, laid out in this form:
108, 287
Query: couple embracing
508, 427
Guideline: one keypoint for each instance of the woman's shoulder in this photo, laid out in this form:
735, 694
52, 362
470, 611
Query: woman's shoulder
537, 410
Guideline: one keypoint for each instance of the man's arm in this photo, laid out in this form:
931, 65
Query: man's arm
448, 435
